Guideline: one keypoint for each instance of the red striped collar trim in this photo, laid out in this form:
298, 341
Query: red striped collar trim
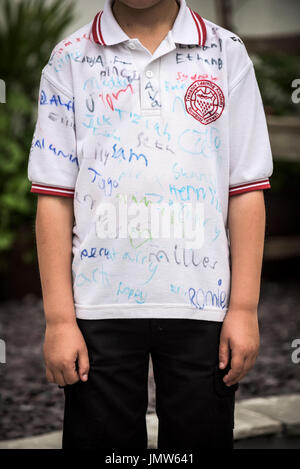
201, 28
96, 29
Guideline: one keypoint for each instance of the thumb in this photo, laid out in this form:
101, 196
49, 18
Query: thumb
83, 364
223, 352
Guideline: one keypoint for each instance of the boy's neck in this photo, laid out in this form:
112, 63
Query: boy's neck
149, 25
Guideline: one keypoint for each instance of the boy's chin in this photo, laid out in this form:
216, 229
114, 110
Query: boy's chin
140, 4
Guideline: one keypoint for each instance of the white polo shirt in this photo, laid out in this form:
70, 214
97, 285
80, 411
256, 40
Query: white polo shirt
117, 125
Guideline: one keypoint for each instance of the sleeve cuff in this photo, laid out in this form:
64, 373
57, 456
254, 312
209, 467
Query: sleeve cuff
52, 190
250, 186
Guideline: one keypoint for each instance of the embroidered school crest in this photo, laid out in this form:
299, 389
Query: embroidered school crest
205, 101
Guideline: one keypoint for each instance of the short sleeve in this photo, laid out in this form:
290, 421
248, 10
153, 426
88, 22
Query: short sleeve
53, 163
251, 162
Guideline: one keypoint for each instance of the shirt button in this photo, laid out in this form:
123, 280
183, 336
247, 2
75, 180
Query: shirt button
149, 74
131, 45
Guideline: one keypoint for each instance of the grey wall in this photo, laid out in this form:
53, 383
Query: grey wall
264, 17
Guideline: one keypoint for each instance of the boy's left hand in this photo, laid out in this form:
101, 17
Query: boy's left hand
240, 340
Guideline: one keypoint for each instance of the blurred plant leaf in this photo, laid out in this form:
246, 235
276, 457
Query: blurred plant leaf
29, 30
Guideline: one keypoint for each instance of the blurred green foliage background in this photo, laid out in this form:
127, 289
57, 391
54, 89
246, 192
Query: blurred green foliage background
29, 30
275, 73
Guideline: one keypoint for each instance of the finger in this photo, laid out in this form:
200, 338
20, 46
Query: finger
83, 364
223, 353
236, 370
49, 376
59, 379
70, 374
248, 365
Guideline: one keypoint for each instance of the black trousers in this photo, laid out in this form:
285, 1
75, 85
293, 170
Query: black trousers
194, 407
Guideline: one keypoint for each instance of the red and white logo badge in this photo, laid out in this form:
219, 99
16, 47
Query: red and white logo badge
205, 101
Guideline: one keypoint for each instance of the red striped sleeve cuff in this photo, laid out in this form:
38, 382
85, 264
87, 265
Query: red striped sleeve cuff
250, 186
51, 190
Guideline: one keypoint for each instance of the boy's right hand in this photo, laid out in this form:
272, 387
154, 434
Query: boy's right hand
65, 354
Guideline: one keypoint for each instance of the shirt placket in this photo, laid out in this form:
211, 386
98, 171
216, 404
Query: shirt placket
149, 69
150, 92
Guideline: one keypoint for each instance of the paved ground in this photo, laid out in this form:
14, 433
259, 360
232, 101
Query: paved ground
259, 423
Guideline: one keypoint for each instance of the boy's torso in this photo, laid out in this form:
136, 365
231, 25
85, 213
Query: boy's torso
151, 131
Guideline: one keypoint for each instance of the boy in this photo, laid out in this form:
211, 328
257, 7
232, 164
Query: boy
149, 107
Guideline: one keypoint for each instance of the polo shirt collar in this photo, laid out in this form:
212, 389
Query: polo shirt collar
189, 28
